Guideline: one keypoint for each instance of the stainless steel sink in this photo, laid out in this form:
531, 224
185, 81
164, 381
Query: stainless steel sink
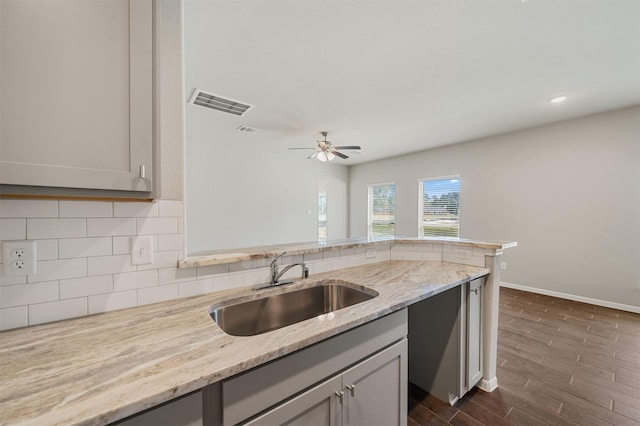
272, 312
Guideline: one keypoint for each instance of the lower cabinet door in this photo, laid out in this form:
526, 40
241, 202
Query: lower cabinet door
474, 368
375, 391
319, 405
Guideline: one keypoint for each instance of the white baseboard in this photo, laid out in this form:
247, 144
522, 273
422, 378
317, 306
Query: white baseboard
598, 302
488, 385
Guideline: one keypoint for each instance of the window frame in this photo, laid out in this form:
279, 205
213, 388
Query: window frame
370, 209
420, 223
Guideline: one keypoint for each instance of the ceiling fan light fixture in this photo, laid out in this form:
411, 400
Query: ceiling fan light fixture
325, 156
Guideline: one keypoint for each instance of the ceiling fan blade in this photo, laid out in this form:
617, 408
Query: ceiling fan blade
346, 147
301, 148
341, 155
314, 155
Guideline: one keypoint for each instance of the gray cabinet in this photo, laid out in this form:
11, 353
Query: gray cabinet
77, 85
358, 377
183, 411
371, 393
445, 341
375, 390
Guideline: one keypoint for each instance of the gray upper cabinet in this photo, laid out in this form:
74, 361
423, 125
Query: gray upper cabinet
76, 94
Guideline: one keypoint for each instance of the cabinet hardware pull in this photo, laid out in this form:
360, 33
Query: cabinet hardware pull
143, 172
340, 395
475, 290
352, 388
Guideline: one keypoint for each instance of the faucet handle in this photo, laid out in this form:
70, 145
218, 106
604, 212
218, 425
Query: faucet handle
274, 262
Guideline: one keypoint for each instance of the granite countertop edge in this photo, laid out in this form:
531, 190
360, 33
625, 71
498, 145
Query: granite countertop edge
217, 257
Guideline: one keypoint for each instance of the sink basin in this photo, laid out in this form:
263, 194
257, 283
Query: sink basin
272, 312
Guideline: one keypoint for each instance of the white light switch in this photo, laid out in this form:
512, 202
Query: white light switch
141, 250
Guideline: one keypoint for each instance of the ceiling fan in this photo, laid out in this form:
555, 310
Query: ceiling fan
325, 151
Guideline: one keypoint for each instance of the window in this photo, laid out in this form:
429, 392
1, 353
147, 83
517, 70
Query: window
382, 210
439, 207
322, 216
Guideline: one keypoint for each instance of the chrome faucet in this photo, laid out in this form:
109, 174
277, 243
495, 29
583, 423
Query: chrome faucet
276, 274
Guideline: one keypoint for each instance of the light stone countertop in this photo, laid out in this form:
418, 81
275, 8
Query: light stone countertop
102, 368
216, 257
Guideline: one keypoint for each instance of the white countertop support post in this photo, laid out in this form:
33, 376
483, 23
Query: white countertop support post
489, 381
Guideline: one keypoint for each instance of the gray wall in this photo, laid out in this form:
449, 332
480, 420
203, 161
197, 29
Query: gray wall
241, 198
569, 193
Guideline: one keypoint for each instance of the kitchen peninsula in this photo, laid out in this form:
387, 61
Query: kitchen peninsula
104, 368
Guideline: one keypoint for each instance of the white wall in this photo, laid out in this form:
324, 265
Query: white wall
241, 198
569, 193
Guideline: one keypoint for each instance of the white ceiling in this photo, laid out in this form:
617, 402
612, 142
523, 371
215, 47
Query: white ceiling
402, 76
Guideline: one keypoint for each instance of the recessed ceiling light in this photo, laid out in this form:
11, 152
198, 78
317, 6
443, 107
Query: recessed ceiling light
557, 99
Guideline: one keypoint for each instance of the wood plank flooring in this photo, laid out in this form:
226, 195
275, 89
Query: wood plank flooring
559, 363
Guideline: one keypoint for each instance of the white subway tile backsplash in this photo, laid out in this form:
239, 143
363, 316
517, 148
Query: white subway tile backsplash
435, 257
50, 270
330, 254
84, 247
55, 311
13, 229
134, 280
14, 317
339, 263
27, 294
56, 228
28, 208
169, 208
211, 270
411, 255
12, 280
158, 294
226, 282
423, 247
122, 245
46, 249
161, 259
103, 265
108, 227
174, 275
347, 251
157, 225
84, 262
135, 209
87, 286
112, 301
248, 264
86, 209
195, 288
319, 267
312, 257
259, 276
170, 242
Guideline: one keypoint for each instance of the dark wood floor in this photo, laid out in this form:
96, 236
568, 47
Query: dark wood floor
559, 363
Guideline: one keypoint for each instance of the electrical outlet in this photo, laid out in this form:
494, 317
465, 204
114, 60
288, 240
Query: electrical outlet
19, 253
18, 264
503, 266
142, 250
370, 253
18, 258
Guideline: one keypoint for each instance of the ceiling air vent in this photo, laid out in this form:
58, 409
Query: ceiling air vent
209, 100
